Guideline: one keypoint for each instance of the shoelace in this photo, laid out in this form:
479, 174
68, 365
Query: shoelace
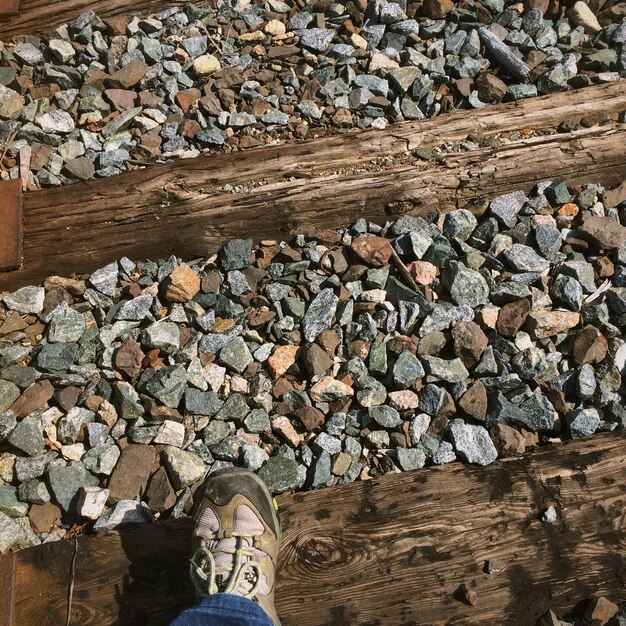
205, 572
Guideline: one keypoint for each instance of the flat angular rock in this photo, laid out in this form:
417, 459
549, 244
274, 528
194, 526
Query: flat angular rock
328, 389
27, 436
319, 314
473, 443
160, 494
524, 259
26, 300
66, 482
91, 502
602, 232
235, 255
123, 513
590, 346
33, 398
373, 250
66, 325
543, 324
168, 385
131, 473
236, 355
582, 422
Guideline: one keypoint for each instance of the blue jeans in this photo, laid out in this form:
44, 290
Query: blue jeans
224, 609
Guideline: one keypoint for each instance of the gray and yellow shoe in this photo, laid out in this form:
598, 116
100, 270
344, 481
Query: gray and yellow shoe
236, 535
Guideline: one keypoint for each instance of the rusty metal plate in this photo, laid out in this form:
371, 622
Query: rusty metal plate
10, 224
9, 7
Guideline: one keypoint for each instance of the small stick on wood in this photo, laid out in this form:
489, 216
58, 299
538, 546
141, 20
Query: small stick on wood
25, 152
503, 55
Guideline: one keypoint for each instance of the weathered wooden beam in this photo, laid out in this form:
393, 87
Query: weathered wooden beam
8, 8
40, 15
10, 224
183, 208
392, 551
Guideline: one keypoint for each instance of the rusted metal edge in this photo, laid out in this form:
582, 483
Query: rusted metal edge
10, 225
9, 7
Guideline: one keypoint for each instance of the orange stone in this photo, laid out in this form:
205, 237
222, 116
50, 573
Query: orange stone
281, 360
422, 272
182, 284
373, 250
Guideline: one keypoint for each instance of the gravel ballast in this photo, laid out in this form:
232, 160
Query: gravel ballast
336, 357
97, 97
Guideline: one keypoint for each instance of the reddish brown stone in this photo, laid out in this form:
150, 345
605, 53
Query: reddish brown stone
543, 324
43, 517
359, 348
128, 358
315, 359
310, 417
68, 397
12, 323
116, 24
422, 272
131, 473
121, 99
507, 440
33, 398
342, 118
260, 317
590, 346
512, 317
40, 156
187, 98
474, 401
603, 232
281, 387
604, 267
329, 341
127, 76
469, 342
160, 495
373, 250
189, 128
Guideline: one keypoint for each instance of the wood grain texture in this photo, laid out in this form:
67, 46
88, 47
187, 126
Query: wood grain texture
37, 16
390, 552
10, 224
9, 8
181, 208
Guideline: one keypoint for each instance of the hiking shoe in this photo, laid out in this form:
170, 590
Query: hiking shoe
236, 535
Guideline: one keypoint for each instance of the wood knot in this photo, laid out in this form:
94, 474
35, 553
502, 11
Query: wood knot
324, 551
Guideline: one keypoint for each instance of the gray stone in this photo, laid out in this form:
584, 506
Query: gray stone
9, 393
105, 279
386, 416
121, 122
549, 240
10, 504
66, 481
538, 414
406, 370
27, 436
523, 258
328, 443
236, 355
28, 53
56, 357
460, 224
11, 533
33, 492
26, 300
582, 422
66, 325
411, 458
235, 255
136, 309
567, 291
507, 207
445, 454
212, 135
451, 371
319, 314
183, 468
123, 513
473, 443
466, 286
71, 428
317, 38
168, 385
164, 335
101, 459
280, 474
27, 468
126, 401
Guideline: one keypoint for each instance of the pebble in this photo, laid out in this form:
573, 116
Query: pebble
473, 443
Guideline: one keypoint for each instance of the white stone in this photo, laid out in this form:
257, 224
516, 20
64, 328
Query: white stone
26, 300
56, 122
583, 16
91, 502
171, 433
73, 452
62, 50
